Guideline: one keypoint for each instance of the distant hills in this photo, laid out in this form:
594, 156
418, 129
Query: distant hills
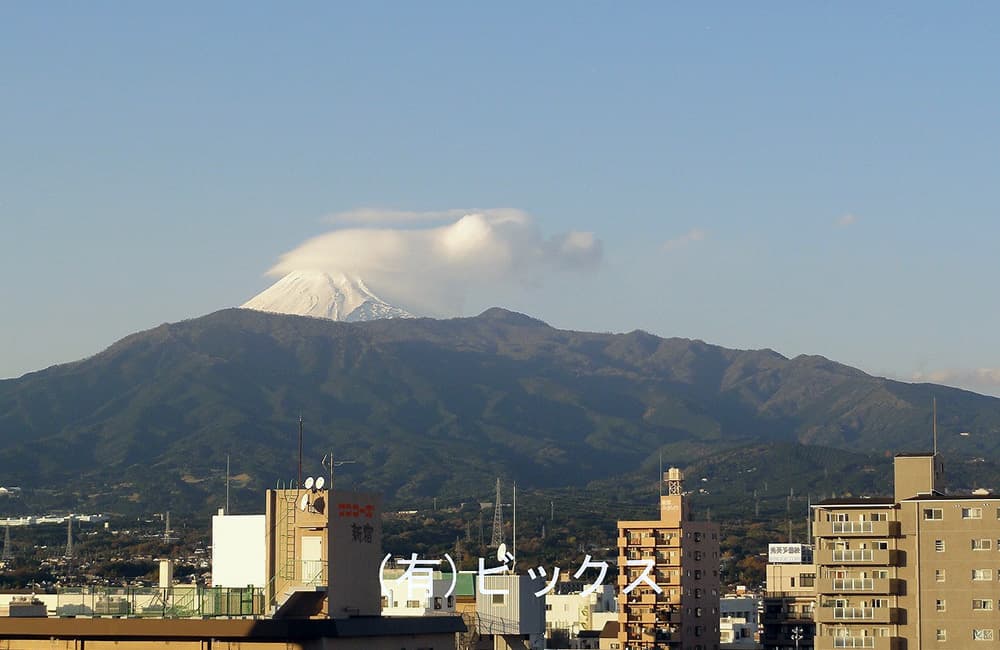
441, 407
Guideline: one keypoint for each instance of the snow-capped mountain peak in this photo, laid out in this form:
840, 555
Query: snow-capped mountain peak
337, 296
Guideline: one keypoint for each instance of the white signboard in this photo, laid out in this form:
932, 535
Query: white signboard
786, 553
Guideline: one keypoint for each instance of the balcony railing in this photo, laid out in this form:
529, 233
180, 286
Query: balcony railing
853, 555
827, 614
877, 556
847, 642
857, 529
886, 586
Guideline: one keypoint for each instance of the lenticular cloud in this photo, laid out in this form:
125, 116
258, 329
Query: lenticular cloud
431, 270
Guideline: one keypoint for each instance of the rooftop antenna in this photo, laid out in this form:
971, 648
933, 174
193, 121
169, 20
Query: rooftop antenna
227, 484
935, 426
659, 477
329, 463
513, 530
299, 484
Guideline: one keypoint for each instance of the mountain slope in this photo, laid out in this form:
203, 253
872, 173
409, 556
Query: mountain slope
336, 296
436, 407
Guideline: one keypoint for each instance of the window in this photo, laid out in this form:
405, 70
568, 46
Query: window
972, 513
982, 574
882, 546
939, 545
942, 635
413, 603
982, 605
878, 516
807, 579
982, 544
939, 605
939, 575
880, 574
938, 513
982, 635
498, 599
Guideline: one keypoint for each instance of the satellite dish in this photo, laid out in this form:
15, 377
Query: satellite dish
309, 482
304, 503
502, 553
320, 482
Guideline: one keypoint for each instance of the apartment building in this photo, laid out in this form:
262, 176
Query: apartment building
915, 571
684, 615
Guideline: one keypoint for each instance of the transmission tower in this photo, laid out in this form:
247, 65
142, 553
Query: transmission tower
69, 536
8, 552
497, 521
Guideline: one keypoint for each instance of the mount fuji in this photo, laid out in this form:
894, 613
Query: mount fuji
336, 296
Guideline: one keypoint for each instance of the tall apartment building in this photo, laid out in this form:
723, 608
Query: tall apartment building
685, 555
915, 571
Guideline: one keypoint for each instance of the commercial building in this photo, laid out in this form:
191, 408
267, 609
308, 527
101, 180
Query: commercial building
684, 554
789, 598
914, 571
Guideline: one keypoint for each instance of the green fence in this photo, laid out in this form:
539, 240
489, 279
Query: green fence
181, 601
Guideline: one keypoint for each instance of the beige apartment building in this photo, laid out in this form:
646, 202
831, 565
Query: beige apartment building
917, 571
685, 555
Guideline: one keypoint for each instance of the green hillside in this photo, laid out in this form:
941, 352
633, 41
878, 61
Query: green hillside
435, 408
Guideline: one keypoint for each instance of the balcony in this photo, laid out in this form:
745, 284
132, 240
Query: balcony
880, 615
857, 529
858, 556
888, 586
852, 642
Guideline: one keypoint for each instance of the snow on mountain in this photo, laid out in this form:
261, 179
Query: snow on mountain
337, 296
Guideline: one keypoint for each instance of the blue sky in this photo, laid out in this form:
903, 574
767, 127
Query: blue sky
811, 177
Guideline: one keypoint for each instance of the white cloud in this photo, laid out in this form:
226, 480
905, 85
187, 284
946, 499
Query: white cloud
686, 239
983, 380
847, 220
383, 216
431, 269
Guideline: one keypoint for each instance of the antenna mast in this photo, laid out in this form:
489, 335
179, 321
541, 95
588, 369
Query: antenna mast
513, 530
227, 484
659, 477
935, 426
299, 484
